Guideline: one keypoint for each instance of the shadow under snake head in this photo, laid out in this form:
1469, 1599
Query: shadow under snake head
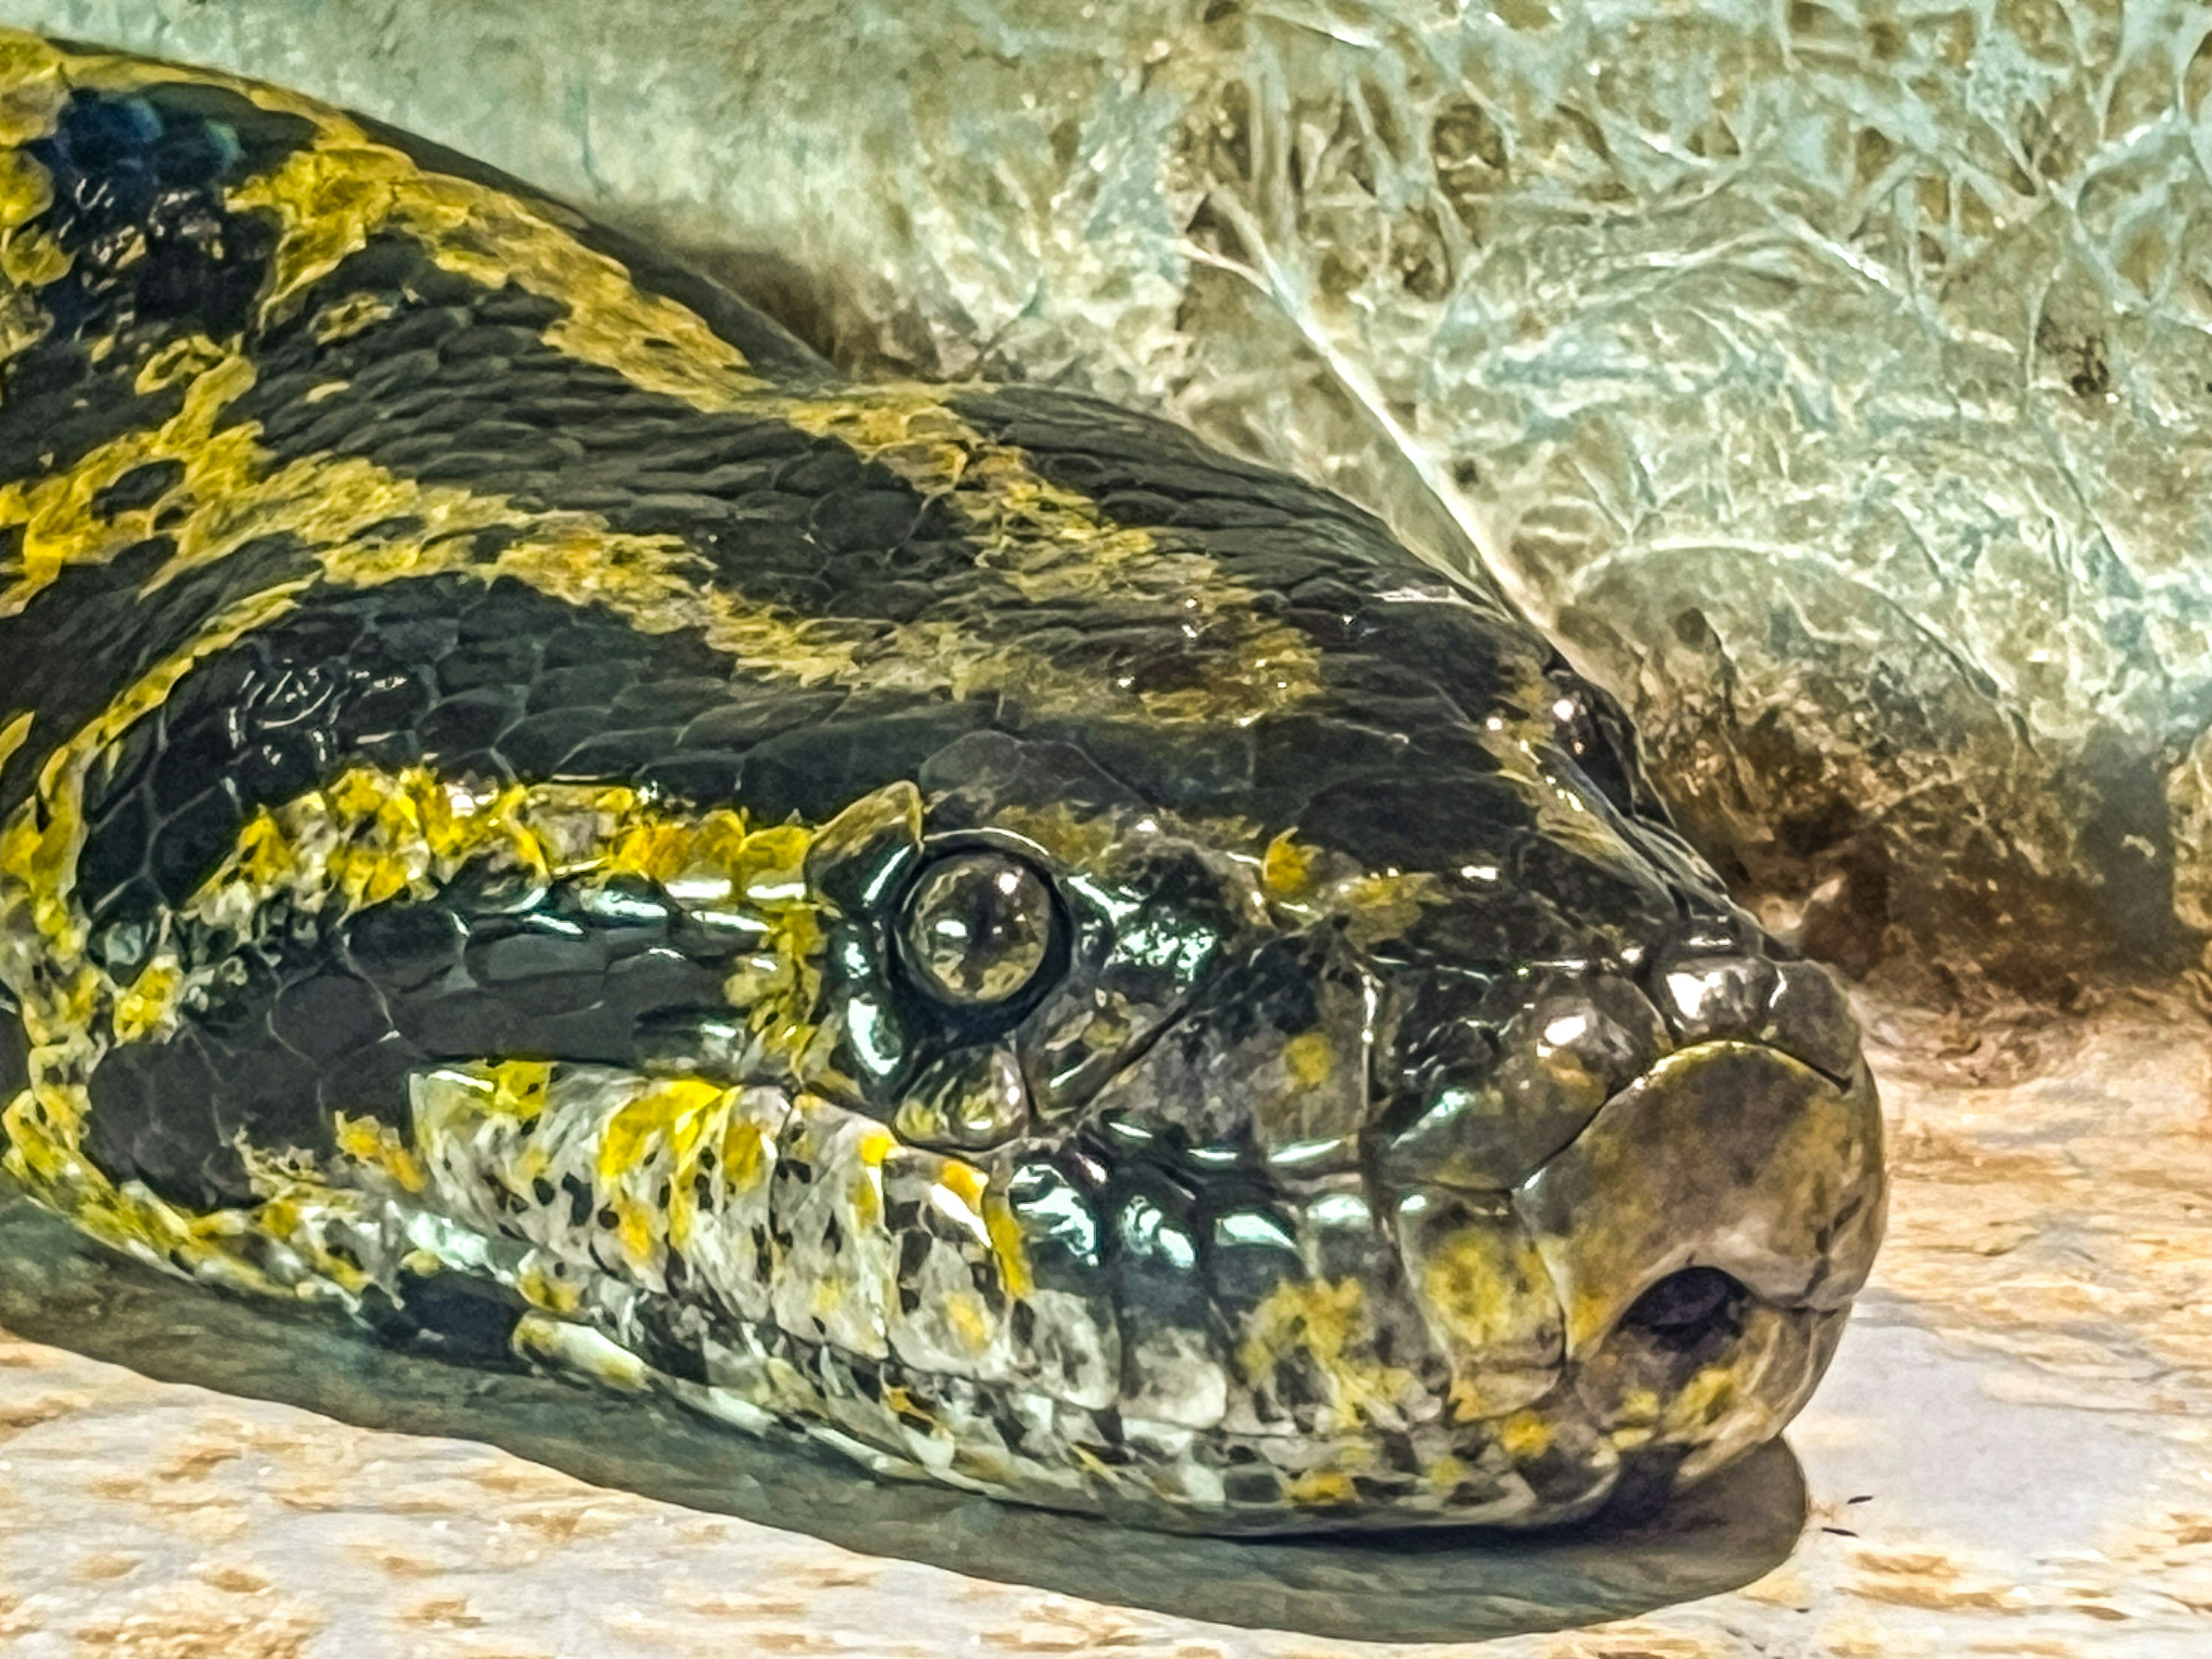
960, 920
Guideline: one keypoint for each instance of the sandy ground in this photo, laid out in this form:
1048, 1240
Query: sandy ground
2010, 1457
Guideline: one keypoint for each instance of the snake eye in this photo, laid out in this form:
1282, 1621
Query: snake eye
977, 926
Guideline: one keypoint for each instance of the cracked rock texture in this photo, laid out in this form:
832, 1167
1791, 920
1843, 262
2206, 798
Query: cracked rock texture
1834, 377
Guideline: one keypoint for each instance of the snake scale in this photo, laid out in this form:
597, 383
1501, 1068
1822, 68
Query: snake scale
957, 919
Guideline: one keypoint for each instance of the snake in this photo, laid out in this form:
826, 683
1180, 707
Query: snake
955, 921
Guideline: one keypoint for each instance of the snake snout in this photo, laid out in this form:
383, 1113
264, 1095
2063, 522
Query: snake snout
1708, 1229
1638, 1200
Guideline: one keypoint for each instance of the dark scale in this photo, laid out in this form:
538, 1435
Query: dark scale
449, 1314
339, 1027
93, 632
15, 1051
456, 386
443, 670
667, 1334
154, 254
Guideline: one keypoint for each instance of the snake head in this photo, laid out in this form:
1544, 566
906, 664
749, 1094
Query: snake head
1414, 1081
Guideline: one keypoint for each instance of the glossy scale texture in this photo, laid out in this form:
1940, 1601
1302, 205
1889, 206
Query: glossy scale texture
496, 734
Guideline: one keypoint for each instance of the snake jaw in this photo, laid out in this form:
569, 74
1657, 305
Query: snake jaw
1705, 1234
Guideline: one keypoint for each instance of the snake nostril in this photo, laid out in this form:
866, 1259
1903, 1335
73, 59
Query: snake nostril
1695, 1309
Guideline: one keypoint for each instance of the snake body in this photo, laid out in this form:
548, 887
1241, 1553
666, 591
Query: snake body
957, 919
